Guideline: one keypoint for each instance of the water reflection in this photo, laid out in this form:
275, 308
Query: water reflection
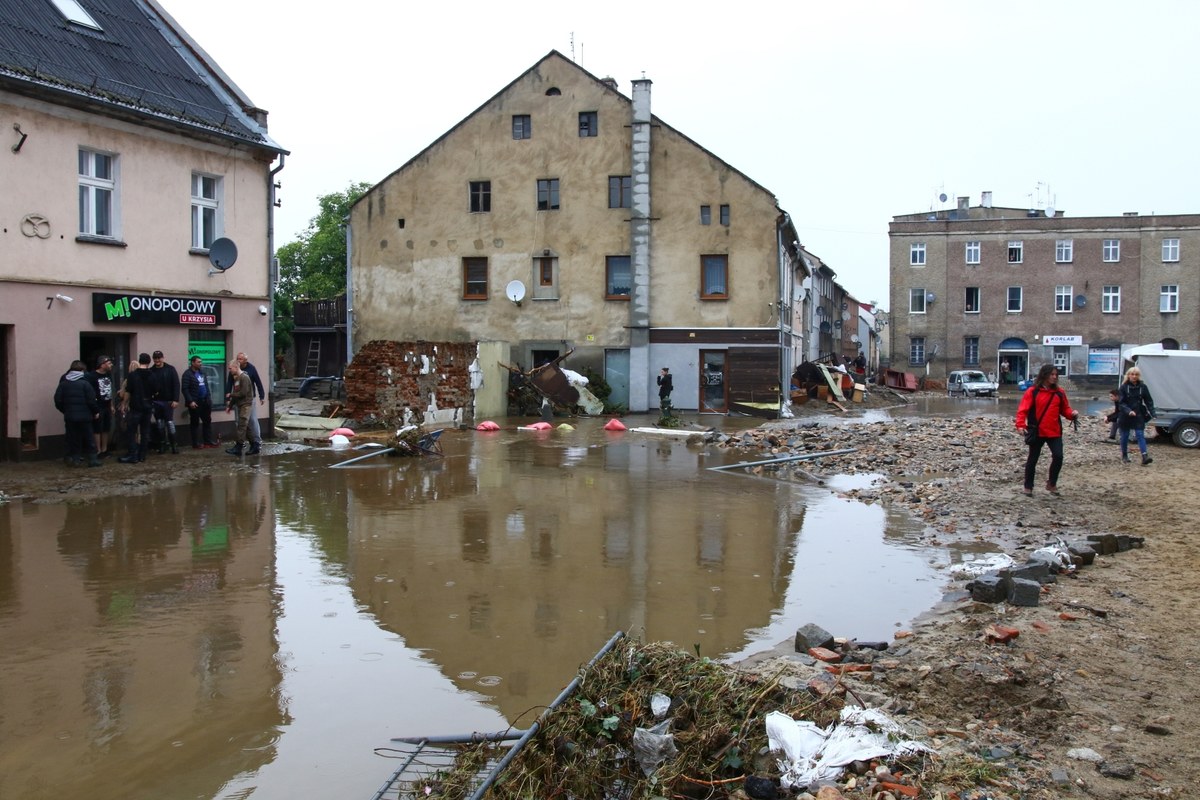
260, 633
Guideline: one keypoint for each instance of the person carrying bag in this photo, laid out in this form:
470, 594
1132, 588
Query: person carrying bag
1039, 419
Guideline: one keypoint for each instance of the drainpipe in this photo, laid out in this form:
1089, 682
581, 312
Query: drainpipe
272, 279
639, 247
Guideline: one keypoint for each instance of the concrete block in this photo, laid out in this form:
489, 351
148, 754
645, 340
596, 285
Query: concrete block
810, 636
1104, 543
1123, 544
1024, 592
1082, 553
989, 588
1032, 570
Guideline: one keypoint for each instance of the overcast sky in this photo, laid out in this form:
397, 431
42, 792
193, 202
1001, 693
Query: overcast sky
850, 113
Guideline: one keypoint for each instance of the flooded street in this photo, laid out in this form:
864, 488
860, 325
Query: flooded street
261, 634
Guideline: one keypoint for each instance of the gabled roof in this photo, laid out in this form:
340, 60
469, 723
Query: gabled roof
138, 65
554, 54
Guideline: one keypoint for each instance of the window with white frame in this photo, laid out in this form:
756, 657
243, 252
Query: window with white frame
1064, 251
1112, 250
973, 252
916, 254
916, 350
97, 193
971, 351
1110, 300
916, 301
971, 306
1168, 299
206, 207
1016, 252
1170, 250
1015, 298
1062, 298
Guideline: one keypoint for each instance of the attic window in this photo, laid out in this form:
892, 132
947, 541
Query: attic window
76, 13
553, 91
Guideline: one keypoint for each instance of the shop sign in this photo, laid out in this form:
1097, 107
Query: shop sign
1062, 341
154, 309
1104, 361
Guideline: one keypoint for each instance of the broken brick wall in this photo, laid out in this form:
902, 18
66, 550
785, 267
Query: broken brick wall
386, 376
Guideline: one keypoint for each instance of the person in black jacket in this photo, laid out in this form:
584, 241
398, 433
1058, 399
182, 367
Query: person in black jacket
665, 387
1136, 408
101, 380
139, 409
164, 382
76, 399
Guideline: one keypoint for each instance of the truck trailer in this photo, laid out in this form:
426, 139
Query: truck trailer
1173, 377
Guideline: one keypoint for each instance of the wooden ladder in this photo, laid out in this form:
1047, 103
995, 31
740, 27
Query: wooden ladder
313, 365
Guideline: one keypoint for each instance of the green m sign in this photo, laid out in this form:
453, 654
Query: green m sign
153, 309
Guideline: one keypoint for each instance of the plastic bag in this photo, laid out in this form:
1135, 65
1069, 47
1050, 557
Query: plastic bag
653, 746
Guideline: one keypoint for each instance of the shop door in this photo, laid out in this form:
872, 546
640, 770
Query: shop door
616, 373
714, 396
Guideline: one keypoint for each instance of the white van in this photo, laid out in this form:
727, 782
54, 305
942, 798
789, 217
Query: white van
970, 383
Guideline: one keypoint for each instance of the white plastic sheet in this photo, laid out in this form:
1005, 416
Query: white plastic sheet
807, 753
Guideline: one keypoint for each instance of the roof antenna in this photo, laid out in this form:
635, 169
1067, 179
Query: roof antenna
572, 45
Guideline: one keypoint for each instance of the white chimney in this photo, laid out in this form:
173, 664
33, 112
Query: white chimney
986, 200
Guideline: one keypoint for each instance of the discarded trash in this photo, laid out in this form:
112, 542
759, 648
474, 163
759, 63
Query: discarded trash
614, 425
659, 704
566, 426
487, 425
1085, 754
653, 746
810, 753
978, 566
537, 426
347, 432
1058, 556
338, 441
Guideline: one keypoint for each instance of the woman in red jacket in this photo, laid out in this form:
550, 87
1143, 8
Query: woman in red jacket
1043, 408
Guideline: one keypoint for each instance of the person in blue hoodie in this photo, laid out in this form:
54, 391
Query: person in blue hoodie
76, 399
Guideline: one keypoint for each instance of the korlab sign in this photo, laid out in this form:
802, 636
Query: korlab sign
153, 309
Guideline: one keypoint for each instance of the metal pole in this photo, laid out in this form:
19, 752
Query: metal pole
785, 459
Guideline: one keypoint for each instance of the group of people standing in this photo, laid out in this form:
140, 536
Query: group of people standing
146, 401
1044, 406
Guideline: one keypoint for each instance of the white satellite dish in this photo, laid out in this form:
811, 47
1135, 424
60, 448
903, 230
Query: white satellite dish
846, 315
1049, 211
515, 291
854, 338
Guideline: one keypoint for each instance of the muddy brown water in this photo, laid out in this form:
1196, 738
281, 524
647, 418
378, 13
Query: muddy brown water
263, 633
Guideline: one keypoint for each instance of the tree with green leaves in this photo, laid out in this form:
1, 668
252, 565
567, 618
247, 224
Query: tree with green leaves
313, 267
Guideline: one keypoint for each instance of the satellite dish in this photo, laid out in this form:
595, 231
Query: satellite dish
1080, 301
855, 338
837, 323
846, 315
515, 291
222, 253
942, 197
1049, 211
930, 297
826, 327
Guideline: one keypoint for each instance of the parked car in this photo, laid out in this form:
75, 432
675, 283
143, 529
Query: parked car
970, 383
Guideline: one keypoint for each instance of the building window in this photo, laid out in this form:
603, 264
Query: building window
547, 194
705, 215
75, 13
97, 192
725, 215
1064, 251
916, 254
973, 250
1168, 299
545, 271
1170, 250
714, 277
475, 278
620, 191
1110, 300
205, 208
522, 126
972, 300
916, 350
971, 351
1112, 250
1062, 298
589, 125
1015, 298
618, 278
481, 196
916, 301
1016, 252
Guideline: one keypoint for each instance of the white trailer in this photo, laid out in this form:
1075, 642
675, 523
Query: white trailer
1173, 377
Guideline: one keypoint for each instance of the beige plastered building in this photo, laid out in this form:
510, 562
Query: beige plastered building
562, 215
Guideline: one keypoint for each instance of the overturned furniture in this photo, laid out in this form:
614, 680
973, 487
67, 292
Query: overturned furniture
562, 388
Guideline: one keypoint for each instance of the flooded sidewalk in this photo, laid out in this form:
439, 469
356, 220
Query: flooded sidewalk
263, 630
